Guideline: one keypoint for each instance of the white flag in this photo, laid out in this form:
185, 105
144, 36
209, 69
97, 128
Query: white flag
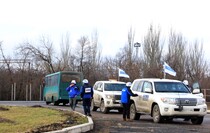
123, 74
168, 69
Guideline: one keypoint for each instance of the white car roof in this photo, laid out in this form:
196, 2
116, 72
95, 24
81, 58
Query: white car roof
158, 79
109, 82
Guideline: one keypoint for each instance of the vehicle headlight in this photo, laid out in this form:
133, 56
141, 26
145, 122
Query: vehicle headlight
109, 96
201, 101
169, 100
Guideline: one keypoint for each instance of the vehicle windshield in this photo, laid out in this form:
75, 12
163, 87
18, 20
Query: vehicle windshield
171, 87
113, 87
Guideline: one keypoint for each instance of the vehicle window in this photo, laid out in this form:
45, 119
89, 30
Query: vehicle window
99, 85
67, 77
146, 85
135, 86
52, 80
95, 86
171, 87
113, 87
139, 88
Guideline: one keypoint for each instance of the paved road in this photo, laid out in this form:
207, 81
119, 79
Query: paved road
113, 123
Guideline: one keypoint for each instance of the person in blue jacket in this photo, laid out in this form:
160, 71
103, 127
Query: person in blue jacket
86, 95
73, 92
125, 100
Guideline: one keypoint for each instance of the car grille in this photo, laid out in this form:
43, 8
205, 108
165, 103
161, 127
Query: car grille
187, 102
117, 97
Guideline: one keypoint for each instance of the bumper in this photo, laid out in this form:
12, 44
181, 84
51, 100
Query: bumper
113, 104
174, 110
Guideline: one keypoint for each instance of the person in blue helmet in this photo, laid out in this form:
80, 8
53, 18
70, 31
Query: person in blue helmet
73, 92
86, 95
125, 100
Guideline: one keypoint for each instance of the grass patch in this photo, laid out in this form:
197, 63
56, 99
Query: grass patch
15, 119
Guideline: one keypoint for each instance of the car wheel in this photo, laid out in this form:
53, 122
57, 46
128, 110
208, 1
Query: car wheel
133, 114
103, 108
157, 118
197, 120
93, 108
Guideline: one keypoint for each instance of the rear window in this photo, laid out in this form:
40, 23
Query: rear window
113, 87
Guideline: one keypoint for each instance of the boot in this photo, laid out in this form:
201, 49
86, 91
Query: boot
129, 120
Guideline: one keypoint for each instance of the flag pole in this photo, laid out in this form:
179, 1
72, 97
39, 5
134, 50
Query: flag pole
164, 76
118, 77
164, 73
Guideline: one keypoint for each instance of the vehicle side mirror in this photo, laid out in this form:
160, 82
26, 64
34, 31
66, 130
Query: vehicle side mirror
196, 91
148, 90
100, 89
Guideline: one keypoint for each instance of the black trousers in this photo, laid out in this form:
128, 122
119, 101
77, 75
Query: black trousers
86, 105
126, 110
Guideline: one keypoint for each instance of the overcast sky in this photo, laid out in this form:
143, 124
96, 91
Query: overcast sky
29, 19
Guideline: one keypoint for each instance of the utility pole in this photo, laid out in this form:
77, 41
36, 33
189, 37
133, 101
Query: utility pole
137, 45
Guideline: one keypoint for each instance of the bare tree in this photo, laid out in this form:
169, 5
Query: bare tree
94, 58
42, 54
7, 62
110, 68
89, 56
152, 49
176, 56
196, 65
6, 76
65, 53
82, 50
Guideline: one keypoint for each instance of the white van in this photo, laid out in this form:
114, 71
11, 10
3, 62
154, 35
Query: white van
166, 99
107, 96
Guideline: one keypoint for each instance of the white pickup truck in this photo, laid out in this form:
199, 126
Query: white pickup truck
166, 99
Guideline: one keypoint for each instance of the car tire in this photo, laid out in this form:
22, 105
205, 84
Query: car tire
103, 108
133, 114
93, 108
157, 118
197, 120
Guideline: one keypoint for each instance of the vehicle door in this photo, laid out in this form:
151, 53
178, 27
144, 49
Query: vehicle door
146, 98
137, 87
96, 95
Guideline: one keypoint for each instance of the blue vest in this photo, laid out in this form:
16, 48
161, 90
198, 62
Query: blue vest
86, 91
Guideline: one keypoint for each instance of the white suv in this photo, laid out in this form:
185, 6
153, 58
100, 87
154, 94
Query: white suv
166, 99
107, 96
